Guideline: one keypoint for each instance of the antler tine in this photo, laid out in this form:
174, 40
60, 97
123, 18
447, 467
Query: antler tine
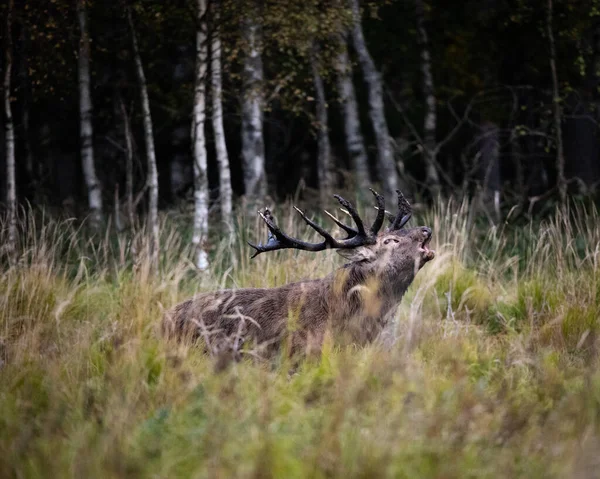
329, 240
387, 214
353, 213
381, 212
403, 205
267, 214
404, 213
279, 240
348, 229
378, 223
354, 238
267, 217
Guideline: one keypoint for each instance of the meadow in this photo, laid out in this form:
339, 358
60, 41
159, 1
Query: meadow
492, 372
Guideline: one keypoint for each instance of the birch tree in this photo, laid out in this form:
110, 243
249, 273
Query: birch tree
86, 131
430, 119
253, 147
225, 191
354, 138
560, 155
199, 141
11, 188
152, 173
324, 160
385, 157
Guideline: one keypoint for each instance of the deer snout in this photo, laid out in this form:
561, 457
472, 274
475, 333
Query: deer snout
427, 254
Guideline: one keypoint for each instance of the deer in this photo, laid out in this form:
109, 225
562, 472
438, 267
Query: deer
353, 304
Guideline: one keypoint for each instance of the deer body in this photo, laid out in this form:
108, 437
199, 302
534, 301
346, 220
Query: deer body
354, 303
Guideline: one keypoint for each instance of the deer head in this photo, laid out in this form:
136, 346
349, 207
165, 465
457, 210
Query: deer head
357, 299
396, 251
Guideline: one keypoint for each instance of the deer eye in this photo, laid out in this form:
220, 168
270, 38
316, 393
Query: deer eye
387, 241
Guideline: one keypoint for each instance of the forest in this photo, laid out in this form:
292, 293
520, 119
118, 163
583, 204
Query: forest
139, 140
122, 109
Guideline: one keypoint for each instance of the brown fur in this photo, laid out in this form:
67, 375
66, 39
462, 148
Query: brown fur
354, 303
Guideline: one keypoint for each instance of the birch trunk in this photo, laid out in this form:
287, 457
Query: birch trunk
225, 191
385, 157
560, 155
85, 120
430, 122
354, 139
199, 142
152, 173
253, 147
11, 186
324, 160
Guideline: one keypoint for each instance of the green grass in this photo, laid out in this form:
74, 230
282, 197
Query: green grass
493, 371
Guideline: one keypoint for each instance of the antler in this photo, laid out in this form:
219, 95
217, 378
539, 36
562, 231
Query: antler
355, 236
403, 215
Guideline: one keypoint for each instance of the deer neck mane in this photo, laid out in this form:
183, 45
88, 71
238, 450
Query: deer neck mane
387, 280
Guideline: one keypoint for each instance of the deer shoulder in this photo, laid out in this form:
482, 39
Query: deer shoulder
354, 302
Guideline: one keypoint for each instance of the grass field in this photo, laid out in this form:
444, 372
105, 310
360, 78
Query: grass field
493, 373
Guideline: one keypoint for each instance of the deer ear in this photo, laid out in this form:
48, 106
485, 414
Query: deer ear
362, 253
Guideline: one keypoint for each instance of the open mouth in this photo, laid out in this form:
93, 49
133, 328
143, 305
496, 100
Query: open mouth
427, 253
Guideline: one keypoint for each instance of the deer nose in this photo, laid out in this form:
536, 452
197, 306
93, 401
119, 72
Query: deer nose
426, 231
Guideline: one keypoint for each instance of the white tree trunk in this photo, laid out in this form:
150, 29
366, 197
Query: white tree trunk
86, 132
354, 139
152, 173
253, 147
11, 186
225, 191
324, 160
429, 128
199, 142
385, 156
560, 155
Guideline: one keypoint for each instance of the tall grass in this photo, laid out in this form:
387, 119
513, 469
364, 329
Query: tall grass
490, 370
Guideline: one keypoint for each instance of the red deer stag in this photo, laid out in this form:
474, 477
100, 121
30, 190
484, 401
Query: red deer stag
354, 302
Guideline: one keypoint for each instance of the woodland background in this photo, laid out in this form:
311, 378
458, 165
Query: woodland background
117, 109
139, 138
